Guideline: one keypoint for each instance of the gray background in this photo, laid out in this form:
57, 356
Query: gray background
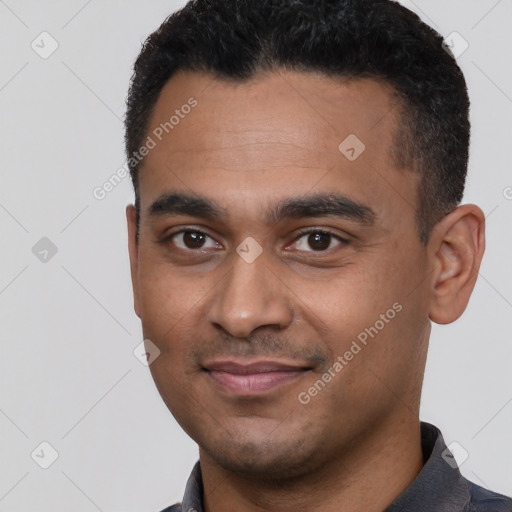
68, 373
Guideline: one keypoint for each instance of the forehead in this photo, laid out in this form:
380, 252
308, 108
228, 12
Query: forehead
272, 136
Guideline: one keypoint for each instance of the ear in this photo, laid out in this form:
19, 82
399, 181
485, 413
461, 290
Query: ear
457, 246
133, 250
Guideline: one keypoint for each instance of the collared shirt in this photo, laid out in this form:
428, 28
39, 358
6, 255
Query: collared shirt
439, 487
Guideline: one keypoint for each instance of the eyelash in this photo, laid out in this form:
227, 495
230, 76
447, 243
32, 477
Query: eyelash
303, 232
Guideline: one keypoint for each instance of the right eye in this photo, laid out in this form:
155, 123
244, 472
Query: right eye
190, 239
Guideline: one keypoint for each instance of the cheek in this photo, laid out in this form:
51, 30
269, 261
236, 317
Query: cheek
344, 304
166, 301
376, 368
367, 317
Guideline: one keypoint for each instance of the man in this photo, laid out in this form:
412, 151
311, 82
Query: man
298, 168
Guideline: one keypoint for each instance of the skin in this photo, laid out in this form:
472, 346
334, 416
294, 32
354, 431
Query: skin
248, 147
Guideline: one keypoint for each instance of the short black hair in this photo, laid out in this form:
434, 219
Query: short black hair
237, 39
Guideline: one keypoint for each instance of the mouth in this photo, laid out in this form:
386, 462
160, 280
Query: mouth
255, 378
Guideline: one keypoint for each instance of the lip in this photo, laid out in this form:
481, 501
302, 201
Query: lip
254, 378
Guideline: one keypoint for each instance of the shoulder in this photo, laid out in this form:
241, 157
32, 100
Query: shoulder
483, 500
173, 508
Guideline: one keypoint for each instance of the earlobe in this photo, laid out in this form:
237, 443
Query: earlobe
133, 251
458, 247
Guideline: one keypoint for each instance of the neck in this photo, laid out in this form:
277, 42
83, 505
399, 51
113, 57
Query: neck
368, 477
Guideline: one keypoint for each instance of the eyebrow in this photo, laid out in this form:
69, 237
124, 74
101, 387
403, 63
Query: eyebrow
311, 205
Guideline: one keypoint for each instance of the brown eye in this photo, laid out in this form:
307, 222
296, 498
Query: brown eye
318, 241
192, 239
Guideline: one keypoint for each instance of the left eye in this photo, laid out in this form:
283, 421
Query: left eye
319, 241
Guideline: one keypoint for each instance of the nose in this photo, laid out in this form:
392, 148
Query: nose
250, 296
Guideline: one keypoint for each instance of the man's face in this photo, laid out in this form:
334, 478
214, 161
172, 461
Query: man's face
249, 309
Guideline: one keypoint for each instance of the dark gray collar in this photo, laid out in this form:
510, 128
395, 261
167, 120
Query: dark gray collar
439, 485
193, 497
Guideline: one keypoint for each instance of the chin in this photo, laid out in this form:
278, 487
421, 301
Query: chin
269, 462
277, 454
